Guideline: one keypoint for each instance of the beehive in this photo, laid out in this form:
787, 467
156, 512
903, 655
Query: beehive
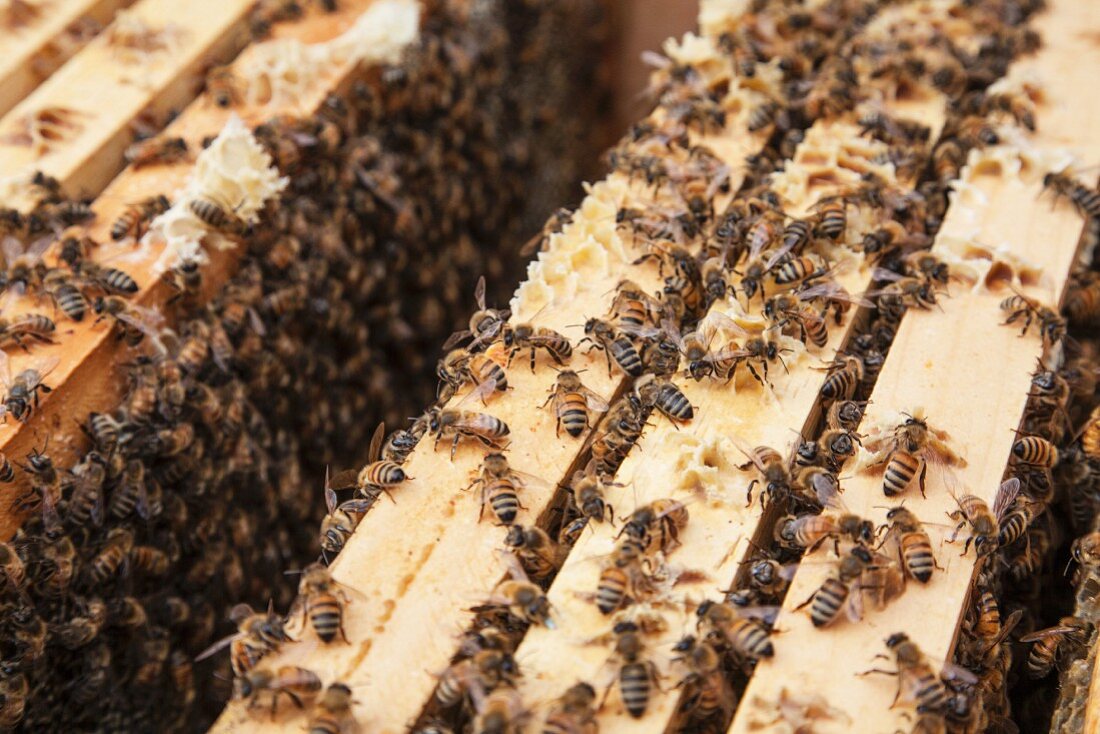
828, 207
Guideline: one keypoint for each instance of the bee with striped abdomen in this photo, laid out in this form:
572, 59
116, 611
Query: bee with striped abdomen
918, 682
1035, 451
906, 455
21, 392
845, 374
741, 631
1052, 327
533, 338
615, 345
539, 555
217, 216
486, 429
985, 524
298, 684
771, 472
499, 488
258, 633
841, 590
914, 545
657, 525
156, 151
135, 218
574, 712
1049, 644
26, 327
332, 713
571, 401
485, 324
708, 693
636, 674
1084, 199
378, 476
322, 602
662, 394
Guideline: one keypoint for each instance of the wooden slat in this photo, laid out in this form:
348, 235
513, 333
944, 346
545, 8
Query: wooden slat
971, 375
696, 464
410, 589
30, 53
107, 88
86, 378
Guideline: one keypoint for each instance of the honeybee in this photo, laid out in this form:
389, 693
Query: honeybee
636, 674
28, 326
341, 520
297, 684
533, 338
218, 216
845, 414
1034, 451
1082, 301
321, 601
908, 453
810, 531
223, 86
14, 691
499, 484
589, 498
485, 668
156, 151
984, 523
709, 694
574, 712
716, 284
1090, 435
378, 475
615, 345
522, 600
21, 392
740, 631
621, 578
831, 450
662, 394
1084, 199
111, 557
499, 712
12, 566
1049, 644
772, 473
484, 428
786, 309
903, 291
45, 489
113, 281
914, 545
571, 403
831, 217
257, 634
844, 589
657, 525
459, 366
61, 288
135, 322
136, 217
918, 682
485, 324
332, 713
1052, 327
845, 375
539, 555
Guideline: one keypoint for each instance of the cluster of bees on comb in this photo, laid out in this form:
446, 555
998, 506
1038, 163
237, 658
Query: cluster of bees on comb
183, 504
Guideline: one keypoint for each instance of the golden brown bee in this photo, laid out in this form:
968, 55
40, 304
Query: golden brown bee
21, 392
485, 668
485, 324
636, 674
539, 555
1086, 200
62, 289
709, 694
1090, 435
217, 216
110, 558
831, 217
297, 684
322, 602
845, 375
984, 523
525, 336
481, 427
772, 472
135, 322
842, 589
499, 484
1086, 550
736, 630
257, 634
554, 224
135, 218
615, 345
14, 691
112, 280
574, 712
223, 86
45, 489
12, 565
28, 326
1052, 327
913, 446
61, 556
522, 600
341, 520
157, 151
914, 545
661, 393
571, 403
845, 414
460, 366
810, 531
620, 578
332, 713
7, 471
1048, 643
149, 560
1082, 301
185, 278
1035, 451
786, 309
918, 682
632, 309
130, 493
499, 712
379, 475
657, 526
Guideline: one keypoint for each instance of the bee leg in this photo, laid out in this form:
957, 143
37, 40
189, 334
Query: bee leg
454, 445
756, 375
966, 546
923, 472
532, 359
752, 484
958, 528
807, 602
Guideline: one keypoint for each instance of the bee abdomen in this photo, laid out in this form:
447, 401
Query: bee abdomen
611, 590
917, 552
674, 403
325, 615
900, 471
634, 684
827, 602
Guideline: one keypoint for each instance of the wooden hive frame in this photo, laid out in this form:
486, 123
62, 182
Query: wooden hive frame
445, 561
550, 662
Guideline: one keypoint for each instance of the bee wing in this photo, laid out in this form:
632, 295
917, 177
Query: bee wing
595, 402
853, 606
833, 291
1055, 631
1006, 496
746, 449
950, 672
656, 60
484, 389
5, 370
38, 248
217, 646
887, 275
515, 568
827, 490
45, 366
778, 255
1006, 627
12, 248
455, 338
344, 480
479, 293
763, 613
717, 320
330, 494
142, 506
376, 442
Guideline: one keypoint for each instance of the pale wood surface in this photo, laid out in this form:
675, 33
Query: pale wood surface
31, 53
108, 89
87, 378
411, 590
971, 375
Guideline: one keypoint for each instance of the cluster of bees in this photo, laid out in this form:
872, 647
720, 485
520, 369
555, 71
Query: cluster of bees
190, 498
